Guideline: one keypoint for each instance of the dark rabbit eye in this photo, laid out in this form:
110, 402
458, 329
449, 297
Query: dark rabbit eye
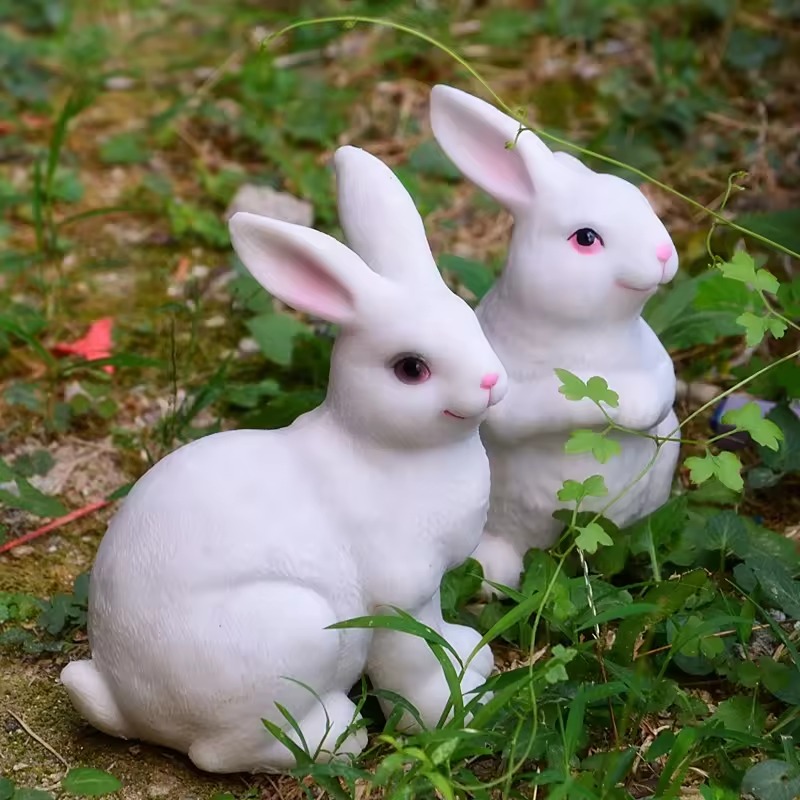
586, 240
411, 369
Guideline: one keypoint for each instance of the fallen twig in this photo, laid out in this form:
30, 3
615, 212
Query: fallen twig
24, 725
78, 513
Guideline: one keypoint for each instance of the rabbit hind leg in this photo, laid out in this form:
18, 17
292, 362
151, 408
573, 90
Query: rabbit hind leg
257, 750
287, 657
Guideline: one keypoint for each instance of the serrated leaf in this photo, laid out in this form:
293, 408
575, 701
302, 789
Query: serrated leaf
777, 327
275, 334
592, 536
88, 782
754, 326
740, 267
572, 387
593, 486
584, 441
728, 469
787, 458
597, 390
701, 468
750, 418
765, 281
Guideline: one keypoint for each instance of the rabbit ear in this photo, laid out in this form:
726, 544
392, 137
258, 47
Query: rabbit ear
568, 160
306, 269
474, 135
379, 218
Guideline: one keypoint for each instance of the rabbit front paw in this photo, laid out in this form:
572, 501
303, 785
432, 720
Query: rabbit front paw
501, 564
464, 641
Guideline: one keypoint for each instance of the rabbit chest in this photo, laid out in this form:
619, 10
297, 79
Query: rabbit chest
421, 514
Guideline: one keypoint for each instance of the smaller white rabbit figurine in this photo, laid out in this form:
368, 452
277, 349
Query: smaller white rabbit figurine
215, 582
587, 251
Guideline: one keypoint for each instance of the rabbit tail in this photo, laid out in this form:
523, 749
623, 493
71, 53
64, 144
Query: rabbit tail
93, 699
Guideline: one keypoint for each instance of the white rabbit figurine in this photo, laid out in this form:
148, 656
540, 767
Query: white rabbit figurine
215, 582
587, 251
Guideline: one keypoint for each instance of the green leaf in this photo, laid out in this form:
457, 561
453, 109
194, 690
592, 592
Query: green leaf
700, 468
751, 419
766, 282
772, 780
555, 671
728, 470
428, 158
32, 794
402, 624
749, 50
477, 277
597, 390
38, 462
584, 440
572, 387
755, 327
725, 465
88, 782
28, 498
275, 334
787, 458
592, 536
780, 226
593, 486
124, 148
727, 533
6, 789
776, 582
741, 267
741, 714
777, 327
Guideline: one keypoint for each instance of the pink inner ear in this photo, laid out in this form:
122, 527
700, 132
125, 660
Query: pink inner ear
479, 150
309, 288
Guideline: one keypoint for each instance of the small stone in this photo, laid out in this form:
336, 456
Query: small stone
268, 202
22, 551
217, 321
199, 271
120, 83
248, 346
20, 766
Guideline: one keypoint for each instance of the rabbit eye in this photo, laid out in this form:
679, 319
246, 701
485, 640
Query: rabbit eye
411, 369
586, 240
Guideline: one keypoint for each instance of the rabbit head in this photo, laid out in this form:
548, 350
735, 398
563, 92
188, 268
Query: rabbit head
586, 246
410, 366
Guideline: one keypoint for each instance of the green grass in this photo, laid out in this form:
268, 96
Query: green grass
657, 661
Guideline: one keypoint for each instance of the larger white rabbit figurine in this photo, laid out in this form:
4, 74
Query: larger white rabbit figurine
215, 582
587, 251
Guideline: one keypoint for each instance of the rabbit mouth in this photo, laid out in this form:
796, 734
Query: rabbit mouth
449, 413
641, 289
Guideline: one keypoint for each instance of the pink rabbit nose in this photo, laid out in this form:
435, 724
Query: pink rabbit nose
663, 252
489, 380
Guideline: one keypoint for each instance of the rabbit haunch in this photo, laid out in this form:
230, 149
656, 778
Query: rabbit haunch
586, 252
216, 580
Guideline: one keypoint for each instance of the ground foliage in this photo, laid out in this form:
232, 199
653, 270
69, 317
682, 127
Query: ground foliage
657, 661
